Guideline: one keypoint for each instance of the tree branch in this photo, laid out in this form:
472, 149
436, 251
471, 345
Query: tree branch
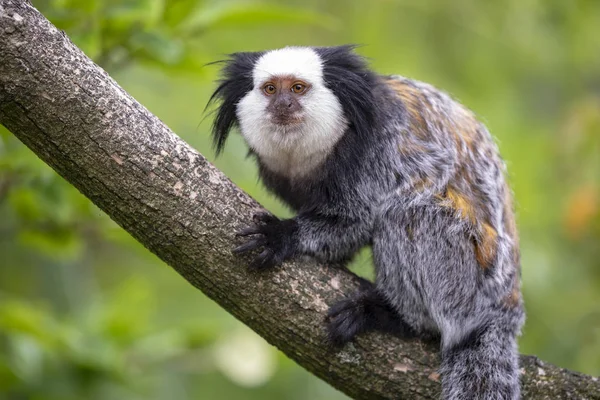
166, 195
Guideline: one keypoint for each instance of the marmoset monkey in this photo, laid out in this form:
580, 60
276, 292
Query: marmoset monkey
396, 164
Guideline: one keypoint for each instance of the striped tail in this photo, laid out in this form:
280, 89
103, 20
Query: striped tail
484, 366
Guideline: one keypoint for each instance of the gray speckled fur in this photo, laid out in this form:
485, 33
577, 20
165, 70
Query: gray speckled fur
431, 278
388, 192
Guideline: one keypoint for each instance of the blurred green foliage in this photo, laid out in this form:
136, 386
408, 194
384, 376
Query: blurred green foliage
88, 313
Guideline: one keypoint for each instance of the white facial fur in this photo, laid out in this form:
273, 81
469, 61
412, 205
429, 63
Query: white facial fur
293, 151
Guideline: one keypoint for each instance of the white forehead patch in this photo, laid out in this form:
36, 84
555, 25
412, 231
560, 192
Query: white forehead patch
301, 62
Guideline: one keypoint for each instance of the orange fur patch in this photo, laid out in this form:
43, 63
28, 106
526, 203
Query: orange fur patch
486, 246
465, 126
486, 242
462, 205
415, 105
514, 298
459, 203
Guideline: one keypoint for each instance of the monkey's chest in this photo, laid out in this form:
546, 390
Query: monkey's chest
294, 165
300, 193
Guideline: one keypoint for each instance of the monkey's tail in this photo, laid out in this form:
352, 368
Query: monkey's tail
484, 366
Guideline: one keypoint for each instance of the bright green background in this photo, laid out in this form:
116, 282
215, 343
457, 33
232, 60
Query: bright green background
87, 313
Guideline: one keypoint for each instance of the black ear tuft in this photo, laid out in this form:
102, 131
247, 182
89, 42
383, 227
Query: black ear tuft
236, 81
348, 76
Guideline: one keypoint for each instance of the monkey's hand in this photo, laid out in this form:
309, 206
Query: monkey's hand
277, 238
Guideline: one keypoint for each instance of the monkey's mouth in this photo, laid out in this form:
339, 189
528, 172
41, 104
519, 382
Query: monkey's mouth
286, 120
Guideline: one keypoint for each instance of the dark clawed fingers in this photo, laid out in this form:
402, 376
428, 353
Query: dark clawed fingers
344, 321
250, 245
263, 260
264, 217
274, 237
251, 230
339, 307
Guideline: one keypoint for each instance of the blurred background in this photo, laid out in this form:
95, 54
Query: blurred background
88, 313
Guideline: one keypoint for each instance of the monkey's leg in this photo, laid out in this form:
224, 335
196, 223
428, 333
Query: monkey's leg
398, 275
366, 310
428, 269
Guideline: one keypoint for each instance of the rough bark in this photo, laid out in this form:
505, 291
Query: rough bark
165, 194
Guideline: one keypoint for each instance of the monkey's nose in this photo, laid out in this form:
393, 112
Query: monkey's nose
284, 107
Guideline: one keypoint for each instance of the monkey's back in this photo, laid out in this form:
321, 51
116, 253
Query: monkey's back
448, 159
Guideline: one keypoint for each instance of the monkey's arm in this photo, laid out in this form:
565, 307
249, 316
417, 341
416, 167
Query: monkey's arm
327, 236
333, 237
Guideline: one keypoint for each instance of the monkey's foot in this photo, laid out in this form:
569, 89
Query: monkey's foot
366, 310
345, 320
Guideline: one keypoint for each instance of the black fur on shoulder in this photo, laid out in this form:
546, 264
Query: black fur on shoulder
348, 76
236, 81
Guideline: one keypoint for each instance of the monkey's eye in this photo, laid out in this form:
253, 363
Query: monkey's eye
298, 88
269, 88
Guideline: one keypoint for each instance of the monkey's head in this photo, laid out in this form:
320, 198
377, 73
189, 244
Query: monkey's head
295, 98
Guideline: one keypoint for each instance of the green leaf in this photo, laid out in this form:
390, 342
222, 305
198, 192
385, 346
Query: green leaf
23, 318
28, 357
25, 203
8, 377
176, 11
243, 15
157, 46
55, 244
146, 12
125, 324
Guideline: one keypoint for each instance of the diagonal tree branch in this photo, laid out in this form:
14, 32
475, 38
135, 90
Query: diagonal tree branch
78, 120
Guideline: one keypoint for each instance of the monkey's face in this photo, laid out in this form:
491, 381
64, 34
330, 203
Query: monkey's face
284, 105
289, 107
